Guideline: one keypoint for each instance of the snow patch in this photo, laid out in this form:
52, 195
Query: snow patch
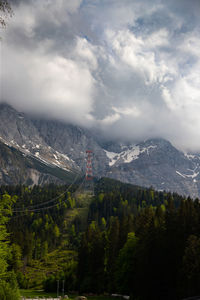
4, 141
113, 157
128, 155
195, 174
180, 174
189, 156
64, 156
132, 154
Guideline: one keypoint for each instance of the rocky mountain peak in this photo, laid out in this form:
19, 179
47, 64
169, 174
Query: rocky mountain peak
155, 162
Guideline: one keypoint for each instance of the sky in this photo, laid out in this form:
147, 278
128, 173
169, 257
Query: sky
128, 68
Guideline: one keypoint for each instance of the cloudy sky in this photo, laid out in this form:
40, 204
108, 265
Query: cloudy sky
127, 67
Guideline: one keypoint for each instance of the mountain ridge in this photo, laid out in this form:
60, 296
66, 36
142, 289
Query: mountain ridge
154, 162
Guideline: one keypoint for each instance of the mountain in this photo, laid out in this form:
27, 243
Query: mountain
60, 147
19, 168
157, 163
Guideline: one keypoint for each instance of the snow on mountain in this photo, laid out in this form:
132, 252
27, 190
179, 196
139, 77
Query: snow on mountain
18, 131
154, 162
194, 172
127, 156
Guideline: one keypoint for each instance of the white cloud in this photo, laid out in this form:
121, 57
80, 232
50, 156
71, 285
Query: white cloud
191, 44
109, 120
128, 111
128, 67
51, 85
85, 53
141, 53
159, 38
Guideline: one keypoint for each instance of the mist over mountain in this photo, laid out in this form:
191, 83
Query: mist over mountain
59, 149
129, 70
120, 79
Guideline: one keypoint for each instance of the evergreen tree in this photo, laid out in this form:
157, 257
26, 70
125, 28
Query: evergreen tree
8, 285
191, 266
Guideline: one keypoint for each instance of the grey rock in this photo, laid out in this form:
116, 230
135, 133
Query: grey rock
53, 144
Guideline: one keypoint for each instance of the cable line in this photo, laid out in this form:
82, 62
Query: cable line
51, 200
47, 207
33, 208
36, 208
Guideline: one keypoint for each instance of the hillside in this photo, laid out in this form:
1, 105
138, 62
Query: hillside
19, 168
121, 239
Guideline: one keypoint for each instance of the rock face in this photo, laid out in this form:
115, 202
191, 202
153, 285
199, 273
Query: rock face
62, 147
157, 163
18, 168
73, 141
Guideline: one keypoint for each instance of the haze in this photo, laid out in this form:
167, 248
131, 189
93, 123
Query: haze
128, 68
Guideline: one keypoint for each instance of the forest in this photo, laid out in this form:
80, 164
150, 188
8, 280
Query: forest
125, 239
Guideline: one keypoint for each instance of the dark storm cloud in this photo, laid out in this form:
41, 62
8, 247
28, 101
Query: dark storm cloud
130, 68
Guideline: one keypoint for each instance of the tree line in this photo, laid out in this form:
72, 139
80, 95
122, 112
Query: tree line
153, 253
135, 241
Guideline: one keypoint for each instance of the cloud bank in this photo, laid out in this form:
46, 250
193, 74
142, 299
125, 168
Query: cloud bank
130, 69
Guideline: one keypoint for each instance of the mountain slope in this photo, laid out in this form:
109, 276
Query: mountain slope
73, 141
18, 168
153, 162
18, 130
157, 163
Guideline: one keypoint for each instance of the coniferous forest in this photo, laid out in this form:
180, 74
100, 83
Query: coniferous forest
126, 239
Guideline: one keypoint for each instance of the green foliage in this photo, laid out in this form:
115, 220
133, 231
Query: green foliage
7, 292
91, 261
127, 265
16, 257
122, 240
68, 275
103, 223
4, 250
70, 201
8, 284
191, 265
56, 231
158, 251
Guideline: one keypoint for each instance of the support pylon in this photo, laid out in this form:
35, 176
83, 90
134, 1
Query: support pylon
89, 173
89, 185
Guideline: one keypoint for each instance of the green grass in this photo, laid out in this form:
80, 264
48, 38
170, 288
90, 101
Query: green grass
33, 293
39, 293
